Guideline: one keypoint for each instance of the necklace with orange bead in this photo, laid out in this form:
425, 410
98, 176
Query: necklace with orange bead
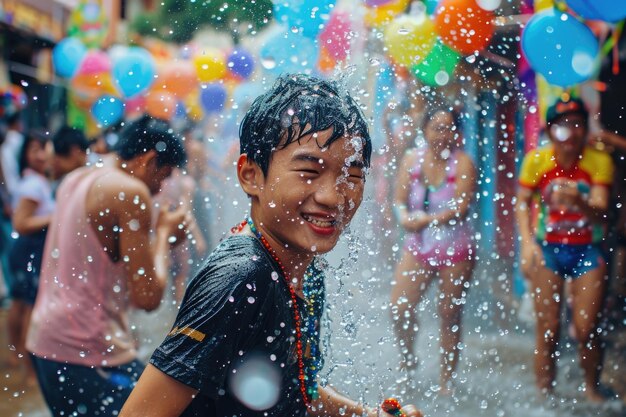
294, 303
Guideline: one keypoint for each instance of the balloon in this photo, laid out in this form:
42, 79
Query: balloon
431, 6
607, 10
95, 62
289, 52
380, 15
67, 56
177, 77
135, 105
134, 71
88, 87
326, 62
437, 68
463, 25
560, 48
192, 105
335, 37
212, 97
409, 39
240, 63
210, 65
161, 105
376, 3
307, 16
108, 110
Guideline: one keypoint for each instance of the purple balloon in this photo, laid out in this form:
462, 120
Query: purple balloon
213, 97
376, 3
240, 63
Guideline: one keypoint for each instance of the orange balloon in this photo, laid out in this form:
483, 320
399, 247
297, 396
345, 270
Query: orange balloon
178, 77
88, 87
161, 104
463, 25
326, 61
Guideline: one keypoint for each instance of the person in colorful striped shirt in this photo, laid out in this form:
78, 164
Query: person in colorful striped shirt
568, 182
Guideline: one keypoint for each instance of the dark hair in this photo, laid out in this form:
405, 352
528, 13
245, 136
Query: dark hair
298, 105
33, 136
68, 137
433, 110
146, 134
12, 117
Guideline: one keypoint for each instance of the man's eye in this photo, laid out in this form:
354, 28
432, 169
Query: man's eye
308, 171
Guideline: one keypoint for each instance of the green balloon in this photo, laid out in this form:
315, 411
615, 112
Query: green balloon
437, 68
431, 6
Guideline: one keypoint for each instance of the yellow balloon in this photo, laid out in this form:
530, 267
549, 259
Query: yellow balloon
409, 39
194, 109
210, 65
379, 15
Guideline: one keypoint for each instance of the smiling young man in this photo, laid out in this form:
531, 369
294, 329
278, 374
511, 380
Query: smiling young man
260, 296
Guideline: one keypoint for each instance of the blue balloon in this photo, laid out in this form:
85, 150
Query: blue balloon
241, 63
288, 52
108, 110
212, 97
607, 10
134, 71
67, 56
307, 16
560, 48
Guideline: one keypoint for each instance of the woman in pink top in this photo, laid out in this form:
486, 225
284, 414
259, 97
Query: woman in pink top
432, 198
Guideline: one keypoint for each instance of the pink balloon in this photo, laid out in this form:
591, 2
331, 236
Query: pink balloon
95, 62
335, 36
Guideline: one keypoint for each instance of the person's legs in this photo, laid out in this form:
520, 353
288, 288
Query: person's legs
83, 390
453, 292
547, 289
412, 281
588, 292
14, 328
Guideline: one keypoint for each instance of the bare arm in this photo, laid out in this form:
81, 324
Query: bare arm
401, 192
24, 220
531, 256
465, 186
157, 395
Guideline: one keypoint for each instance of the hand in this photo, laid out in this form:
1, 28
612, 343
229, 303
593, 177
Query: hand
566, 194
415, 221
408, 410
531, 258
604, 140
174, 224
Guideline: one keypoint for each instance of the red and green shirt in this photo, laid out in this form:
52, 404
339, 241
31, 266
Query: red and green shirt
541, 173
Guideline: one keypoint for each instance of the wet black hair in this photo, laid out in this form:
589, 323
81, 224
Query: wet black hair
68, 137
298, 105
148, 133
30, 137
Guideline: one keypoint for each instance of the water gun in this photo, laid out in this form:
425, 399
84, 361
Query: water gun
393, 407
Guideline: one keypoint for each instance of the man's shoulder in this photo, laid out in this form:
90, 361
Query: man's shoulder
236, 261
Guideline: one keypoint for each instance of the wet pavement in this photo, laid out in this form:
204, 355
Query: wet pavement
495, 372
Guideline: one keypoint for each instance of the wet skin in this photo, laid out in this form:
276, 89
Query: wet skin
308, 196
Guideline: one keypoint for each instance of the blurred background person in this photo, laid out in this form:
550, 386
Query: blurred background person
70, 152
32, 211
570, 182
433, 194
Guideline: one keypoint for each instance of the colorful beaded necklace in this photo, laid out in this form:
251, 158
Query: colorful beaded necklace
294, 303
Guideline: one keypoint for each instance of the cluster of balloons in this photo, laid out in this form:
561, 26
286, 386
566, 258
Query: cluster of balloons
562, 48
431, 37
130, 78
313, 36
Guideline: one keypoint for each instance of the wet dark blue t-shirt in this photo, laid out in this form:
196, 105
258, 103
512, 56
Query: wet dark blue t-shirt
234, 331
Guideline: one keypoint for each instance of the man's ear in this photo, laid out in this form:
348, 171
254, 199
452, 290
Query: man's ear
250, 175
